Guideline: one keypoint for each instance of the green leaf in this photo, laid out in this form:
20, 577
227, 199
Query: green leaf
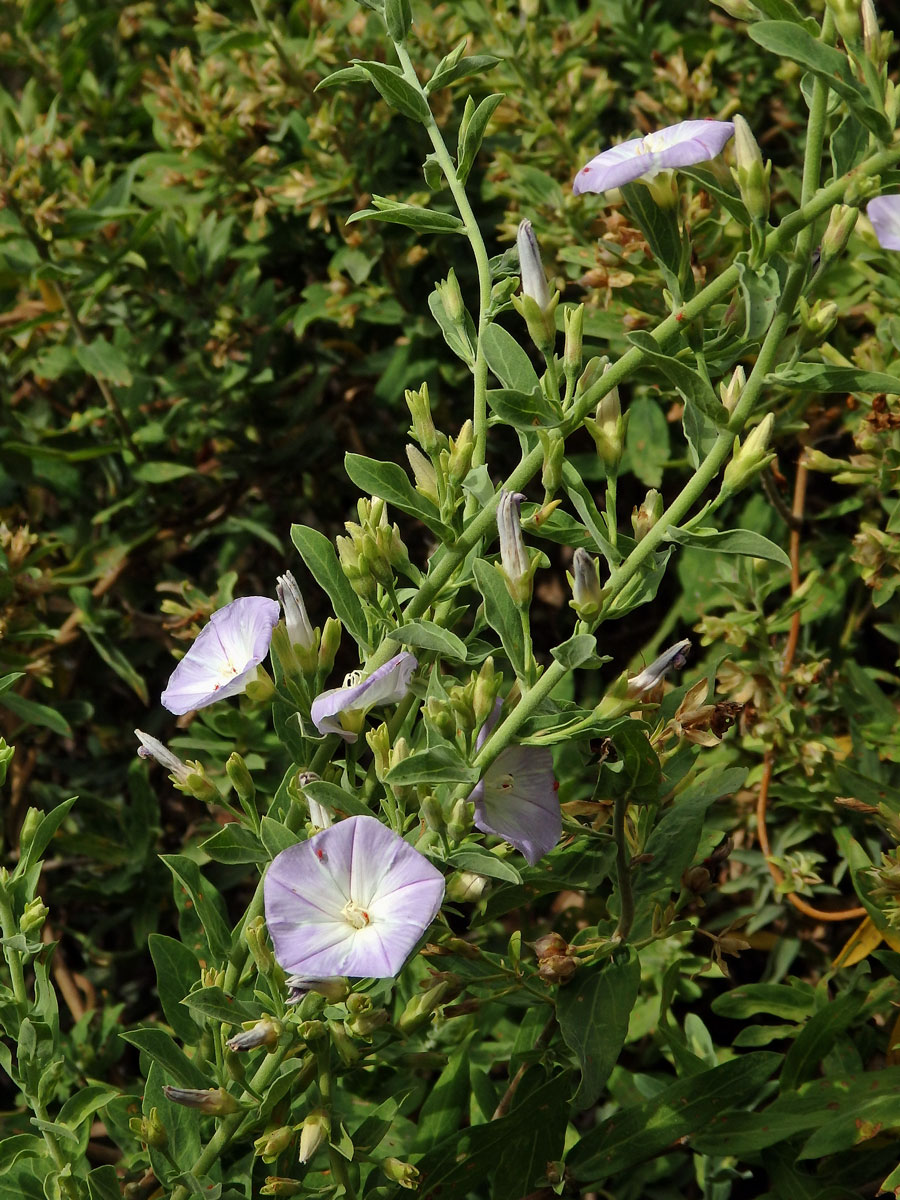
524, 411
447, 72
460, 340
472, 129
729, 541
820, 377
777, 999
397, 91
345, 75
85, 1102
234, 844
158, 1044
659, 226
788, 40
214, 1004
425, 220
575, 651
439, 764
593, 1012
583, 503
845, 1130
207, 902
786, 10
177, 971
689, 383
321, 559
817, 1038
468, 858
500, 612
635, 1134
508, 361
760, 290
20, 1145
43, 835
391, 483
647, 441
36, 714
337, 799
276, 837
441, 1115
430, 636
103, 361
104, 1183
161, 472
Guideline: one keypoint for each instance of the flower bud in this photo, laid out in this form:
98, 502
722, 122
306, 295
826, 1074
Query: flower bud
584, 580
241, 779
365, 1024
424, 474
215, 1102
299, 629
731, 392
401, 1172
554, 447
876, 44
607, 428
314, 1133
573, 323
328, 648
531, 269
750, 458
841, 224
820, 319
672, 659
751, 175
265, 1032
460, 823
150, 747
451, 298
34, 916
515, 566
467, 887
6, 755
255, 937
347, 1050
847, 19
149, 1130
273, 1143
459, 459
487, 688
550, 944
379, 740
590, 375
461, 702
420, 1009
261, 689
644, 518
423, 430
279, 1185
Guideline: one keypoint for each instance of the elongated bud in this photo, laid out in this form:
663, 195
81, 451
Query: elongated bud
215, 1101
751, 174
365, 1024
644, 518
314, 1133
554, 447
531, 268
467, 887
820, 319
34, 915
841, 224
261, 689
273, 1142
672, 659
6, 757
487, 689
590, 375
150, 747
460, 823
451, 298
241, 779
420, 1009
265, 1032
432, 813
423, 473
423, 430
300, 631
876, 43
587, 592
403, 1173
573, 323
459, 460
150, 1130
280, 1185
731, 392
329, 645
255, 937
607, 428
440, 714
750, 458
515, 565
847, 19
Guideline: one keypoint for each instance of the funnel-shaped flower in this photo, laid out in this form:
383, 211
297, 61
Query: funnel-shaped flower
341, 710
674, 657
352, 900
679, 145
517, 798
151, 747
884, 213
224, 656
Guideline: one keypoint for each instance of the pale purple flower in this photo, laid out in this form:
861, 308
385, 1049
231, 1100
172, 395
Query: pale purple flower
224, 656
675, 657
151, 748
352, 900
884, 213
517, 798
386, 685
531, 269
679, 145
296, 619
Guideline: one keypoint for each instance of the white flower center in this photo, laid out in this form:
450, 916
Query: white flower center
354, 915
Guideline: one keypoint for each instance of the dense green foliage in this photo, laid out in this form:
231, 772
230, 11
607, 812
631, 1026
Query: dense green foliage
194, 335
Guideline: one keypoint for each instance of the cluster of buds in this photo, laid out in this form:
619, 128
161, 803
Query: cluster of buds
556, 963
439, 472
536, 305
364, 1019
372, 551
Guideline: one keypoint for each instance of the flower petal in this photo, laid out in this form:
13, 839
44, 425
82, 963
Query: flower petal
224, 655
679, 145
884, 213
614, 167
386, 685
361, 862
517, 800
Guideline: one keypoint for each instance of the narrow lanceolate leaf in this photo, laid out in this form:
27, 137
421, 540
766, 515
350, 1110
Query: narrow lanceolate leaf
391, 483
475, 64
424, 220
472, 129
440, 764
729, 541
508, 360
320, 557
500, 612
429, 636
397, 91
593, 1013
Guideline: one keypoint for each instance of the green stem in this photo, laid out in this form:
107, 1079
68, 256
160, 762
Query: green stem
623, 871
479, 250
13, 958
336, 1159
612, 520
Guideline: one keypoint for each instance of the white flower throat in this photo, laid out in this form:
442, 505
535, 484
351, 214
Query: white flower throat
354, 915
